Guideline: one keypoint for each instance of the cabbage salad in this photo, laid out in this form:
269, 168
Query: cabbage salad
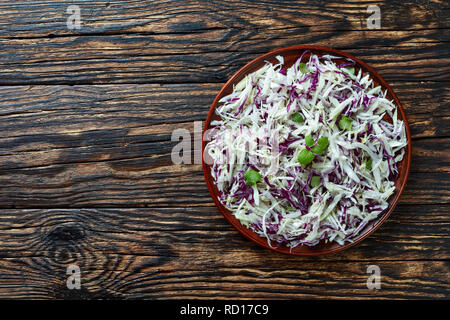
308, 153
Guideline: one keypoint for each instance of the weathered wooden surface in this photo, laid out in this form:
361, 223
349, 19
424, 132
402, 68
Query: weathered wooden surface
86, 176
193, 252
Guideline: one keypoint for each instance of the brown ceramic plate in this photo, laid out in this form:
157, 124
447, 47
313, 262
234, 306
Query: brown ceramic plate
291, 54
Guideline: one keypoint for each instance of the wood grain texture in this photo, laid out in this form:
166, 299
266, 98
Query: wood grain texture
48, 18
204, 41
172, 253
141, 231
169, 58
83, 146
86, 176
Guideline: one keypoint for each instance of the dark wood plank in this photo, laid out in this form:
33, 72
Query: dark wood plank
72, 110
30, 278
136, 184
136, 253
48, 18
82, 146
212, 56
411, 233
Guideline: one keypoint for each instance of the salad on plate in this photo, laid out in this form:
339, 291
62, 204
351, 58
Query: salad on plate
307, 153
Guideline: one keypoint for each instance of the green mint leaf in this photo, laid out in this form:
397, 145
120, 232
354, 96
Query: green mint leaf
252, 177
323, 142
315, 181
345, 123
309, 141
317, 150
297, 117
305, 157
303, 68
350, 70
369, 164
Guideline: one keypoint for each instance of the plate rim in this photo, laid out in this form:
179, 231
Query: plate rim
248, 233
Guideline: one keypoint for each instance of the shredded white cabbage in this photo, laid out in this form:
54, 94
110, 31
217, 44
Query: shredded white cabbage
257, 132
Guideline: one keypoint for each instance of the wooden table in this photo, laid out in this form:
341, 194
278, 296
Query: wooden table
86, 177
